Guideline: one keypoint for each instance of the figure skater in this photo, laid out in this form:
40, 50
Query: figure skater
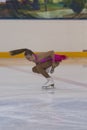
45, 62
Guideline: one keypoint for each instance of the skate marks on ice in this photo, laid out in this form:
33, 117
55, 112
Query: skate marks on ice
28, 71
43, 113
26, 106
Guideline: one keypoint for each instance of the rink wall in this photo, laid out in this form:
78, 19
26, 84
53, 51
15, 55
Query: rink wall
63, 36
69, 54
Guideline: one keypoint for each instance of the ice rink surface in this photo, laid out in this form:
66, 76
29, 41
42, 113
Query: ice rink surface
24, 105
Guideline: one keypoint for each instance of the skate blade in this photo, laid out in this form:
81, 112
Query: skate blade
49, 86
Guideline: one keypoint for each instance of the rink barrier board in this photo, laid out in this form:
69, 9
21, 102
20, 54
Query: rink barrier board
69, 54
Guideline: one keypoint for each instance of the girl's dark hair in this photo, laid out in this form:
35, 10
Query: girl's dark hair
28, 52
18, 51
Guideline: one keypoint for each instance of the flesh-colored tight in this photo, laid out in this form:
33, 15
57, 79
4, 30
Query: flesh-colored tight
41, 68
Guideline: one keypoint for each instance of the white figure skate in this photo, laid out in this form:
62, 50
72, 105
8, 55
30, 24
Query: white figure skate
49, 83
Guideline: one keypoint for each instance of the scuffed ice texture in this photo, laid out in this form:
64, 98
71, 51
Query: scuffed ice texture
24, 105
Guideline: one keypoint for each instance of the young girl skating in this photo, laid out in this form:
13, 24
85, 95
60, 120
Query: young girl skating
45, 62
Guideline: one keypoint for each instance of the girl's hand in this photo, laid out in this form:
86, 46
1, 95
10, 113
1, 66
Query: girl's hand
52, 70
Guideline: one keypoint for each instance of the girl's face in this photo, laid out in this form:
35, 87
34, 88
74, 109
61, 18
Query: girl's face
30, 57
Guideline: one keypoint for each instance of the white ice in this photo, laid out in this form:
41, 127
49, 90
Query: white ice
24, 105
